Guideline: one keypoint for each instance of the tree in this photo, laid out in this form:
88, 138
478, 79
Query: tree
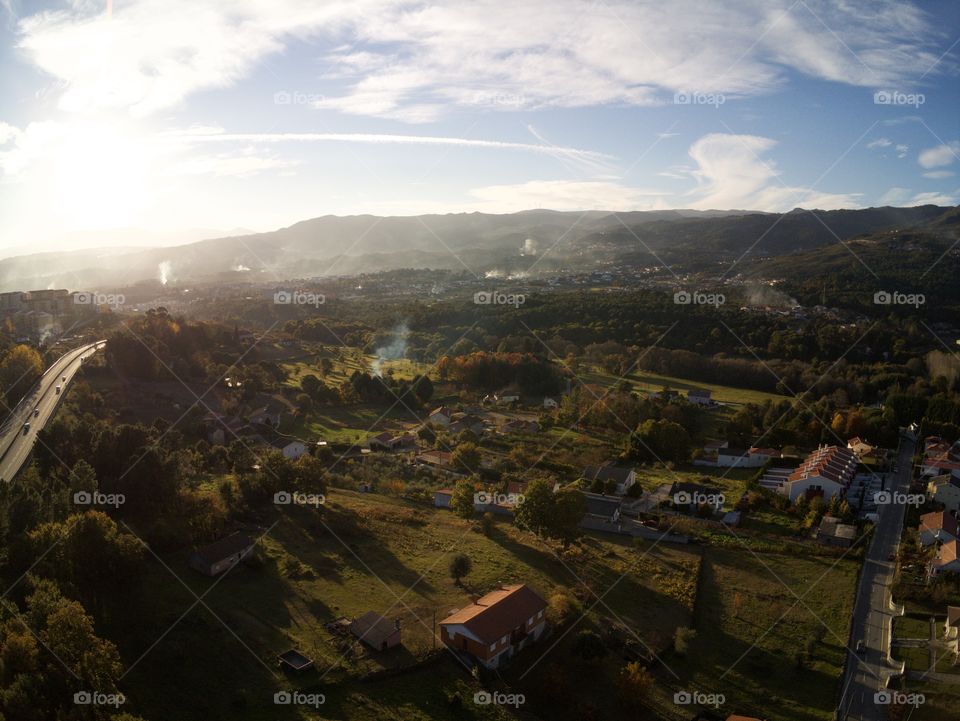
536, 511
634, 683
423, 388
660, 440
563, 606
19, 370
569, 507
682, 638
461, 501
460, 566
487, 524
466, 456
589, 646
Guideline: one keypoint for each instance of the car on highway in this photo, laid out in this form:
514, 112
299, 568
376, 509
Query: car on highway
861, 647
58, 390
36, 411
64, 379
26, 428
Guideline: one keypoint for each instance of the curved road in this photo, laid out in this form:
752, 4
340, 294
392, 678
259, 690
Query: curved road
16, 443
867, 674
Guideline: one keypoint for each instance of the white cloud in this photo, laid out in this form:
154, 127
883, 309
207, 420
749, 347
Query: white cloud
906, 198
939, 156
587, 158
902, 150
565, 195
880, 143
731, 173
939, 174
412, 61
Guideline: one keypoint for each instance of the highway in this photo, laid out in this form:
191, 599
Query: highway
868, 672
37, 408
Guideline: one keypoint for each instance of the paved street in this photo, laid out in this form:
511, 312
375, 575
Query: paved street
873, 616
38, 408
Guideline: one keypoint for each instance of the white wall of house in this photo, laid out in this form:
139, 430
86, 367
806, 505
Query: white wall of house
800, 487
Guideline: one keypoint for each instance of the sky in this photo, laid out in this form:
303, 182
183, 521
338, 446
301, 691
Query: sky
186, 117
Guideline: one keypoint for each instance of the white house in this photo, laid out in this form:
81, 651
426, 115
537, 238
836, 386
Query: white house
827, 471
291, 448
745, 458
549, 403
945, 489
698, 397
937, 527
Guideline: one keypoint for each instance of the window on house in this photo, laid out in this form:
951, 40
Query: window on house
530, 621
503, 640
493, 647
539, 614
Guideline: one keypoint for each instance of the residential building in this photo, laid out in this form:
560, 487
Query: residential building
622, 476
441, 498
291, 448
745, 457
827, 471
497, 625
441, 416
221, 555
699, 397
860, 448
549, 403
945, 489
940, 457
937, 527
946, 560
834, 533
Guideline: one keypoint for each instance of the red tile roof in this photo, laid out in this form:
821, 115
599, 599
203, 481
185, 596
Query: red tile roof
498, 613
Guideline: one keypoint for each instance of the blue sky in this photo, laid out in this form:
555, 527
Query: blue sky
179, 115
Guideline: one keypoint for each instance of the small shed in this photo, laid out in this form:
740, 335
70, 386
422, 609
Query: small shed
441, 498
218, 556
376, 631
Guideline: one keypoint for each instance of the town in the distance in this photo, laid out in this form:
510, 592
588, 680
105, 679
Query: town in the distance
562, 493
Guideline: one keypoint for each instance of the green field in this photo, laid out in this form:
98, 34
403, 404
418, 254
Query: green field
645, 381
367, 551
749, 631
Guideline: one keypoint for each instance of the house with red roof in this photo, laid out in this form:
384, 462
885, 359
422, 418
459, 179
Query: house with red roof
946, 561
497, 625
827, 471
937, 527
